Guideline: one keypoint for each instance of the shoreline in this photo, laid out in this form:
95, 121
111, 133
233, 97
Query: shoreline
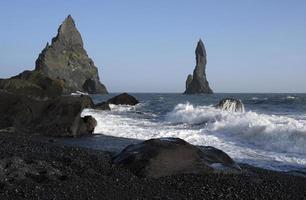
115, 144
82, 173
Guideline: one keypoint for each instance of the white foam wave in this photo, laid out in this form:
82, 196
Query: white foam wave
257, 98
233, 106
290, 97
281, 133
258, 139
79, 93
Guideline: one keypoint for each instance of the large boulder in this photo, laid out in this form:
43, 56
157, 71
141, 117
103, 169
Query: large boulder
32, 84
197, 83
67, 61
60, 116
231, 104
169, 156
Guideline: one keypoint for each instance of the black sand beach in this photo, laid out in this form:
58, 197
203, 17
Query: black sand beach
41, 168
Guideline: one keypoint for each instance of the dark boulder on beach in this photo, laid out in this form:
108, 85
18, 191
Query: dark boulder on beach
123, 99
33, 84
231, 104
66, 60
59, 117
170, 156
197, 83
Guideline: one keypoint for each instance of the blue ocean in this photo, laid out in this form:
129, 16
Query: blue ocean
270, 133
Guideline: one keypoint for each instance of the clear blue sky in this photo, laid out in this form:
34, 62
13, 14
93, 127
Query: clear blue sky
148, 46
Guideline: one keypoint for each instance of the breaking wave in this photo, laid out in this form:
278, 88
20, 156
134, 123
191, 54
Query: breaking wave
270, 141
281, 133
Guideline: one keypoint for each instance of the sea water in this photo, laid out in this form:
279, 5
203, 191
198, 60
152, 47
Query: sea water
270, 133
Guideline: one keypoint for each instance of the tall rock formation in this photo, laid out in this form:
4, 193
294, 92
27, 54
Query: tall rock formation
67, 61
197, 83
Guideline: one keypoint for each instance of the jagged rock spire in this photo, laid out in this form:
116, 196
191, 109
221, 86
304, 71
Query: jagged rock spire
68, 33
198, 83
67, 60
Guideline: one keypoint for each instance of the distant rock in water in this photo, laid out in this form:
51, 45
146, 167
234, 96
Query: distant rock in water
231, 104
197, 83
169, 156
66, 60
123, 99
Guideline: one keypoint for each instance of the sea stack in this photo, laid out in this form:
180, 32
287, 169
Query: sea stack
66, 60
197, 83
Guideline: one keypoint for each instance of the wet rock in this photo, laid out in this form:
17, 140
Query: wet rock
231, 104
102, 106
168, 156
87, 125
123, 99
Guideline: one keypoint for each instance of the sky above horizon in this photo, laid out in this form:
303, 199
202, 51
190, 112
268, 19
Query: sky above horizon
148, 46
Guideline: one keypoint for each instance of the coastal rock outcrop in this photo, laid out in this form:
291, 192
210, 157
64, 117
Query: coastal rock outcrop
58, 117
197, 83
169, 156
231, 104
33, 84
121, 99
67, 61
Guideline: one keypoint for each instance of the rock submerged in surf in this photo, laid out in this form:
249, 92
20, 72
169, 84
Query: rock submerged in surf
121, 99
169, 156
102, 106
231, 104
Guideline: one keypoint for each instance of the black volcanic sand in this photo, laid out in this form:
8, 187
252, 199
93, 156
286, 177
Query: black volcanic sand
36, 168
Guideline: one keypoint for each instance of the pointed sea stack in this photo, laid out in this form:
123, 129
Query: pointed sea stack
67, 61
198, 83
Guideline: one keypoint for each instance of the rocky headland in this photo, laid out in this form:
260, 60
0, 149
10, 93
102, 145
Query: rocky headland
38, 101
66, 60
62, 67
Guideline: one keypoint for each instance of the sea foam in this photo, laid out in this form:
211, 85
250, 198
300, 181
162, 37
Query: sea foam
280, 133
270, 141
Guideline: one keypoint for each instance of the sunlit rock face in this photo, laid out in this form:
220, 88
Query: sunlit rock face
67, 61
